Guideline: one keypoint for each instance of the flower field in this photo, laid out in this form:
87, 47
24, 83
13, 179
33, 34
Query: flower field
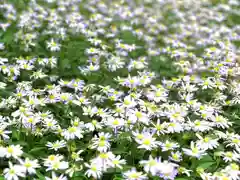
120, 89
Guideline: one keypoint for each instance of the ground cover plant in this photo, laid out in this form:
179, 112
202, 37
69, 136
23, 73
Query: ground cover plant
120, 89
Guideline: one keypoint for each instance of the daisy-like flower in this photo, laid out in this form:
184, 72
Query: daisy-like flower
200, 125
3, 132
233, 140
94, 170
73, 132
30, 165
207, 142
115, 123
174, 127
138, 116
168, 170
134, 175
147, 141
14, 151
230, 156
176, 156
54, 162
221, 121
195, 151
117, 162
76, 155
183, 170
159, 128
166, 146
53, 46
128, 102
105, 159
55, 177
151, 165
232, 171
91, 126
13, 172
56, 145
101, 143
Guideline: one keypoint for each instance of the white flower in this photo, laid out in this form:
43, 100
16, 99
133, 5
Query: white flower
4, 133
159, 127
54, 162
174, 127
207, 142
100, 145
230, 156
3, 151
1, 46
168, 170
147, 141
104, 159
93, 125
151, 165
95, 170
134, 175
30, 165
176, 156
221, 121
232, 171
200, 125
115, 122
128, 102
14, 151
138, 116
194, 151
56, 145
117, 162
53, 46
55, 177
169, 146
14, 172
72, 133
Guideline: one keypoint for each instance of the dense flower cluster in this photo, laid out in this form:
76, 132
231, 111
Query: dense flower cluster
121, 89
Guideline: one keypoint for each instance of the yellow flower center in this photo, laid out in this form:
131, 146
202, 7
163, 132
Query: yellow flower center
139, 115
134, 175
27, 165
102, 143
104, 155
72, 129
115, 122
10, 150
206, 139
147, 142
11, 171
51, 158
195, 150
140, 136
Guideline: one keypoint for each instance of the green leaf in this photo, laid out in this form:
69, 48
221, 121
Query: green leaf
206, 158
40, 175
77, 175
37, 149
206, 165
185, 178
117, 178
